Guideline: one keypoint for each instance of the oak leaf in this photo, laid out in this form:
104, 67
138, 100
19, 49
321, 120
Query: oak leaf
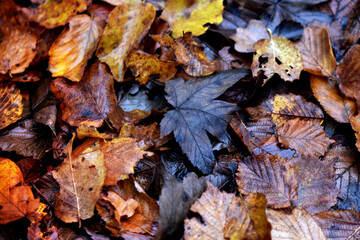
184, 16
277, 55
196, 111
11, 104
127, 25
74, 47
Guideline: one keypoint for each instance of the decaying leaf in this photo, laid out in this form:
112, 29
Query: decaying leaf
16, 199
17, 50
336, 105
81, 177
127, 25
196, 111
191, 16
355, 124
277, 55
271, 175
299, 225
315, 47
11, 104
74, 47
245, 38
90, 101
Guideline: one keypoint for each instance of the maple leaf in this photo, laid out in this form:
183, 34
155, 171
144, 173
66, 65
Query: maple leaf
196, 112
184, 16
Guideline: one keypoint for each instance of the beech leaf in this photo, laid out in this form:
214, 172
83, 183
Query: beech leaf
11, 104
196, 112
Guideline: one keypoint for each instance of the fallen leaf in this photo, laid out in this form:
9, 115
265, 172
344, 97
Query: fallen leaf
81, 177
122, 208
355, 124
144, 65
277, 55
16, 199
17, 50
196, 111
27, 76
74, 47
30, 168
11, 104
336, 105
315, 47
245, 38
271, 175
135, 19
184, 16
299, 225
89, 102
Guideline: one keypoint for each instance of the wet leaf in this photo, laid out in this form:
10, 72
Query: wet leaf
16, 199
315, 47
184, 16
17, 50
74, 47
90, 101
11, 104
334, 103
135, 19
271, 175
81, 177
297, 225
196, 111
245, 38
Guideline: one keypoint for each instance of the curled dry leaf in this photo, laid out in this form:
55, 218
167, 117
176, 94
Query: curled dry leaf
122, 208
334, 103
51, 14
144, 65
127, 25
271, 175
191, 16
299, 225
277, 55
90, 101
315, 47
11, 104
16, 199
17, 50
245, 38
74, 47
81, 177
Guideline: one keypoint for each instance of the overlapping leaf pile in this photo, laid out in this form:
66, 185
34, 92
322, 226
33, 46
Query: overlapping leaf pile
179, 119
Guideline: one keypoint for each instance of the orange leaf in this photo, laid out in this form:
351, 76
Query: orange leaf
122, 208
355, 124
11, 104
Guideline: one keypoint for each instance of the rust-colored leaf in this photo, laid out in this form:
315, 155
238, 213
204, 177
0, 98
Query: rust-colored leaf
271, 175
74, 47
298, 225
315, 47
144, 65
16, 199
17, 50
90, 101
11, 107
191, 16
81, 177
355, 124
127, 25
121, 156
277, 55
336, 105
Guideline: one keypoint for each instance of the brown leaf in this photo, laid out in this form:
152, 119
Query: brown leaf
144, 65
17, 50
336, 105
123, 208
245, 38
30, 167
90, 101
315, 47
277, 55
127, 25
121, 156
16, 199
81, 177
11, 104
339, 224
74, 47
27, 76
299, 225
355, 124
271, 175
306, 137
